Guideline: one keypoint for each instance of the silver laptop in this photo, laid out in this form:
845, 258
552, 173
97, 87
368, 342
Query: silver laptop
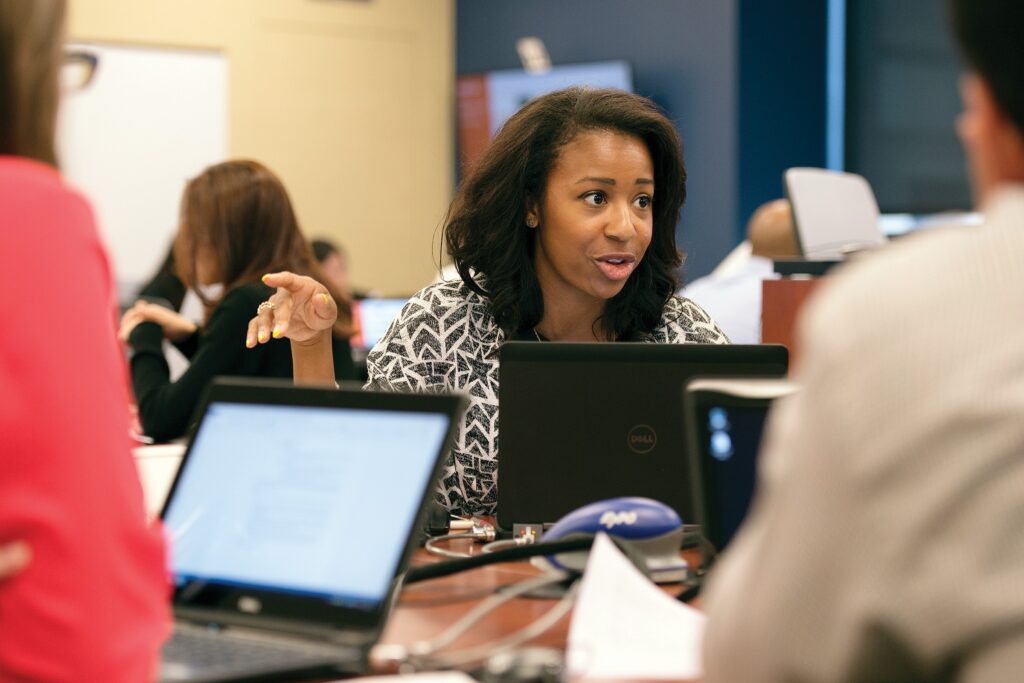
292, 518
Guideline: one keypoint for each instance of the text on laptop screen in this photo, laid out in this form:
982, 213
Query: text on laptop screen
729, 457
314, 500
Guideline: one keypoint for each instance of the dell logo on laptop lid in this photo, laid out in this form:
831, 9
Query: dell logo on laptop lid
642, 439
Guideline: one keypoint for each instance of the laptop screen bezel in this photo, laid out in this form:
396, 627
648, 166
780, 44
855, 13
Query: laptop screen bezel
226, 603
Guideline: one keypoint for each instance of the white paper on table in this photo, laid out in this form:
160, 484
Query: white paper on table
157, 466
623, 626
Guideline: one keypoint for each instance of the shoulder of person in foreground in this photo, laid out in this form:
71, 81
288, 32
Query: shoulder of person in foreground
44, 219
95, 589
683, 321
909, 277
438, 323
901, 377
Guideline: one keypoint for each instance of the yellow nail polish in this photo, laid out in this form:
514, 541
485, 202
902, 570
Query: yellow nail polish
326, 299
263, 336
277, 332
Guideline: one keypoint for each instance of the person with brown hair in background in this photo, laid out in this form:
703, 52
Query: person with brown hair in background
237, 223
84, 593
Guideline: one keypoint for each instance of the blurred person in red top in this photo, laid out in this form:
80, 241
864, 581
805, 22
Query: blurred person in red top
85, 591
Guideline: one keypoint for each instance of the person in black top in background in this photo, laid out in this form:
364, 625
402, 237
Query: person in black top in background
165, 285
237, 223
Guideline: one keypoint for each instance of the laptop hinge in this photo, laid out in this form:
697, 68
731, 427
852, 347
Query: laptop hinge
347, 637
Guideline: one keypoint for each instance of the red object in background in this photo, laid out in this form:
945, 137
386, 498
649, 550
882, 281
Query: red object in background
781, 302
474, 119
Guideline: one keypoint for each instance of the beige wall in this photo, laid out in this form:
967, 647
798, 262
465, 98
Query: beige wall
350, 101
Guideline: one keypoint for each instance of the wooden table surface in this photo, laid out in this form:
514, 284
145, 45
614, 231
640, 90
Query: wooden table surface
427, 608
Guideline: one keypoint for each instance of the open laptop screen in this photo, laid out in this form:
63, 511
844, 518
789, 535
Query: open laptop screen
731, 440
727, 418
317, 501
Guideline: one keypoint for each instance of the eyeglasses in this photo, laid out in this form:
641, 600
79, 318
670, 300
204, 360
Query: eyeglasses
78, 70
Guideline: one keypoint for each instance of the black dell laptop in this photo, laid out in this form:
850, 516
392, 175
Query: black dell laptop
291, 520
585, 422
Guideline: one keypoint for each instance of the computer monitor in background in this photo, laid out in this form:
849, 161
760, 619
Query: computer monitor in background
898, 224
487, 100
372, 318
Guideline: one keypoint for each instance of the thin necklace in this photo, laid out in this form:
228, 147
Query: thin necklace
537, 335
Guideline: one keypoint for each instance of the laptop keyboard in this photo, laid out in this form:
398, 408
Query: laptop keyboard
193, 650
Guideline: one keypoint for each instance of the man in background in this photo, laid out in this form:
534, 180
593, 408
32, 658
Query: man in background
885, 541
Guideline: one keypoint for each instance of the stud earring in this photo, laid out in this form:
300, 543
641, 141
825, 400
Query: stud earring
531, 222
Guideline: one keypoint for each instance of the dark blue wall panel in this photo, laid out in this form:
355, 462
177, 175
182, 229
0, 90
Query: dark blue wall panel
902, 102
782, 48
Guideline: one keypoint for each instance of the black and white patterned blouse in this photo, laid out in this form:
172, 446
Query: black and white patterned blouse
446, 339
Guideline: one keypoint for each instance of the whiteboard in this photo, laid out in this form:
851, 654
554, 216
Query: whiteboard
151, 119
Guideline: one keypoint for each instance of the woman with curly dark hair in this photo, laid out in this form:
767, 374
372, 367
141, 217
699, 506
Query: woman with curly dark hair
564, 231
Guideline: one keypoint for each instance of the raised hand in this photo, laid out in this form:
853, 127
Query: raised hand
301, 309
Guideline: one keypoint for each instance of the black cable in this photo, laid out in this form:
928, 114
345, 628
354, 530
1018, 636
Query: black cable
439, 569
444, 552
692, 590
568, 544
694, 584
